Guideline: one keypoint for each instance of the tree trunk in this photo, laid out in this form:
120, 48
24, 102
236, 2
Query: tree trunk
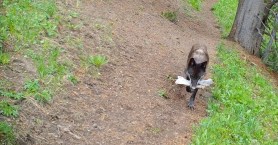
248, 26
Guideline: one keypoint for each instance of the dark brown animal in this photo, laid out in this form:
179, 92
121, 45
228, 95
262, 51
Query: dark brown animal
196, 69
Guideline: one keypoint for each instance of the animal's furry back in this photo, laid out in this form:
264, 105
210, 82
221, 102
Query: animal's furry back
199, 53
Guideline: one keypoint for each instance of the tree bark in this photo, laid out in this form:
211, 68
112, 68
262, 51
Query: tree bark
248, 26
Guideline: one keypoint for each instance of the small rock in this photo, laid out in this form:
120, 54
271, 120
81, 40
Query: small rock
95, 125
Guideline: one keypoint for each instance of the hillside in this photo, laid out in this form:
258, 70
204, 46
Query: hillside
121, 103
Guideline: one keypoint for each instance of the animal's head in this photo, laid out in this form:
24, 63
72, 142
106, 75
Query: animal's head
196, 72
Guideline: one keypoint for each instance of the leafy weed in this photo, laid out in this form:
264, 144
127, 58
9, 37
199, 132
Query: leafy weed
170, 15
7, 136
43, 96
7, 109
98, 60
162, 93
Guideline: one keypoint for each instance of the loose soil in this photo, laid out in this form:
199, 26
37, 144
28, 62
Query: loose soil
122, 105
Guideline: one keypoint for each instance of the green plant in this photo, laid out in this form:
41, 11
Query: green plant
4, 58
155, 130
242, 109
44, 96
98, 60
170, 15
7, 109
7, 136
162, 93
73, 79
11, 94
196, 4
225, 12
32, 86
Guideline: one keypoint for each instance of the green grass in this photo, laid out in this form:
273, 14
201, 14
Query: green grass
4, 58
170, 15
47, 63
225, 12
25, 20
24, 27
244, 107
25, 24
196, 4
7, 136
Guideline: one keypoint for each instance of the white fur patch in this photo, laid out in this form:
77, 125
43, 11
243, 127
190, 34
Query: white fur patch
199, 56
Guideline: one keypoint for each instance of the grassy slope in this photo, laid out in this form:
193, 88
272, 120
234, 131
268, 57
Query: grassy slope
23, 26
30, 28
244, 107
225, 11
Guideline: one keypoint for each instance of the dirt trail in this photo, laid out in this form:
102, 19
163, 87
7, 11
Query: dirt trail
122, 106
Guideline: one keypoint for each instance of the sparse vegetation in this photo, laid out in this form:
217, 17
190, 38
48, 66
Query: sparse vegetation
155, 130
170, 15
24, 24
241, 111
46, 60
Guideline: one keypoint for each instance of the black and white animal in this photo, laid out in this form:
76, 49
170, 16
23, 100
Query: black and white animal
195, 71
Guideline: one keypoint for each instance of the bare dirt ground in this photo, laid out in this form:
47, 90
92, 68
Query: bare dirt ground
122, 105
